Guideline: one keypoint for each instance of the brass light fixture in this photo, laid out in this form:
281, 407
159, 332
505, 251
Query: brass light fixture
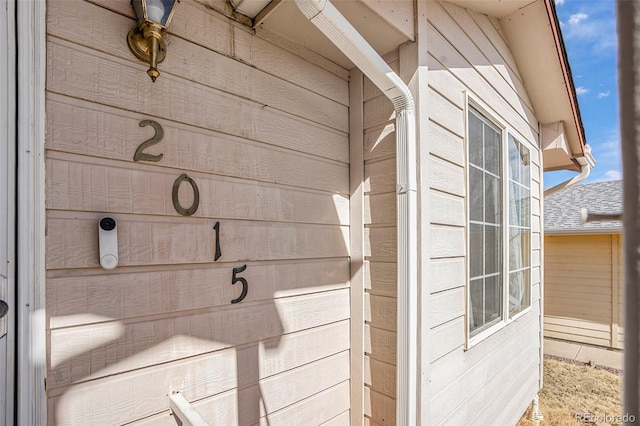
146, 39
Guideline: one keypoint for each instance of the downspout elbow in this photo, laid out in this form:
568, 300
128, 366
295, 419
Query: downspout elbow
584, 173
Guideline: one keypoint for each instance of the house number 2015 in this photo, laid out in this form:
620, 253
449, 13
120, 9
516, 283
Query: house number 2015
140, 155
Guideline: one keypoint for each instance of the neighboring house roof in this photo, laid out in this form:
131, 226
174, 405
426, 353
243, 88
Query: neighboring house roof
562, 210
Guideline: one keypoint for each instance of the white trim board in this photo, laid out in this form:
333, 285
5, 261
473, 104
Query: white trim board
31, 34
7, 213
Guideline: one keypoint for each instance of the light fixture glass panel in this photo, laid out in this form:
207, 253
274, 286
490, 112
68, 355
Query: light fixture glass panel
159, 10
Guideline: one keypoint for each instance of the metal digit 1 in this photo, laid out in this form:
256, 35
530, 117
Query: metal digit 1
216, 227
157, 137
245, 285
196, 196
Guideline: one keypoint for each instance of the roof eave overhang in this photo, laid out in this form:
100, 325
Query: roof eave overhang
532, 30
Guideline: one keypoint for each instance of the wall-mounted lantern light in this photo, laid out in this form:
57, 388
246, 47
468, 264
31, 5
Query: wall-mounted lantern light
146, 39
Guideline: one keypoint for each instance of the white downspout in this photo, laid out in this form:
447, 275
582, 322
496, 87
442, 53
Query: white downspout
324, 15
586, 164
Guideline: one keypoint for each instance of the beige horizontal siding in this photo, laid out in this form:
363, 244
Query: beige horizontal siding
263, 133
380, 250
583, 288
467, 54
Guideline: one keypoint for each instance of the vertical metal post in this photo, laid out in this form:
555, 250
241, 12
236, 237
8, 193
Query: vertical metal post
629, 79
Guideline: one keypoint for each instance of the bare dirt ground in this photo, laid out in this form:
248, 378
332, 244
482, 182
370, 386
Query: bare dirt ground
571, 387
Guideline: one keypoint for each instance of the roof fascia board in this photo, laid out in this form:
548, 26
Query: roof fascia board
546, 73
566, 69
591, 231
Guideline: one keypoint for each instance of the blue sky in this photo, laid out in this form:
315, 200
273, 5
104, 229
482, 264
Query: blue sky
589, 31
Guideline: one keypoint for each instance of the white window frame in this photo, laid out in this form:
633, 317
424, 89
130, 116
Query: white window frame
473, 103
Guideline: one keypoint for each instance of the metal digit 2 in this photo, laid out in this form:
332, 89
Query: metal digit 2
157, 137
245, 285
196, 196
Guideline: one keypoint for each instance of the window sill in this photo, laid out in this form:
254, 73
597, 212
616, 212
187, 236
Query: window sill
473, 341
520, 314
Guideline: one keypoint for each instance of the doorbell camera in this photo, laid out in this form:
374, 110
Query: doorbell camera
108, 241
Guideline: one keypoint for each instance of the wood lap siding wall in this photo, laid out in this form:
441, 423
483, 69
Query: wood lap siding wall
583, 289
380, 264
493, 381
264, 135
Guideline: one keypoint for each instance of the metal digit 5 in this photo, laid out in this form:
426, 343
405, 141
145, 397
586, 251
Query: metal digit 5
143, 156
245, 285
196, 196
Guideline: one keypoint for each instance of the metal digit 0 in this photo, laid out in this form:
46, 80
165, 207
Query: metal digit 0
196, 196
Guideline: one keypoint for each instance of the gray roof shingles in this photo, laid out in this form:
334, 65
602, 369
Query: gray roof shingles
562, 209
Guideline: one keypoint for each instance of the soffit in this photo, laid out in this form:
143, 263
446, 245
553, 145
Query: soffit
385, 25
526, 26
495, 8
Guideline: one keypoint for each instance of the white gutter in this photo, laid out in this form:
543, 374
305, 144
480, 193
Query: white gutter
587, 162
345, 37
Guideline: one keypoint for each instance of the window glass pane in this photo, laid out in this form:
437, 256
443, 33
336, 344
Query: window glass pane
525, 207
515, 217
514, 160
519, 249
519, 205
493, 199
525, 175
492, 249
475, 141
475, 250
492, 150
493, 298
519, 291
476, 296
476, 195
519, 162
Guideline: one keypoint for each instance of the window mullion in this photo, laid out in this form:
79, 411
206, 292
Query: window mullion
505, 225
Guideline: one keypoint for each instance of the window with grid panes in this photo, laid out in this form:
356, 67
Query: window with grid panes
499, 225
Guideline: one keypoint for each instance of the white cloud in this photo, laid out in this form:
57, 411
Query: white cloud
559, 2
609, 175
577, 17
613, 175
581, 90
603, 94
593, 33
